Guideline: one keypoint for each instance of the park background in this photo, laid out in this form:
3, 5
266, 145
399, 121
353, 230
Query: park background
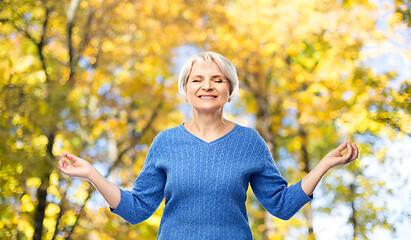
98, 78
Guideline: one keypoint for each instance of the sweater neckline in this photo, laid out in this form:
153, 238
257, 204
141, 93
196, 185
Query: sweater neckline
231, 132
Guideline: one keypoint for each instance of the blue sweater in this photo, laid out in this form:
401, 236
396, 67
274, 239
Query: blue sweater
205, 185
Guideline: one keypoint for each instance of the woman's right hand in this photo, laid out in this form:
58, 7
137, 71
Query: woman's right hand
79, 168
82, 168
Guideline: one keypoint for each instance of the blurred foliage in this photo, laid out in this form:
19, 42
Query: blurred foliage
300, 66
403, 9
97, 78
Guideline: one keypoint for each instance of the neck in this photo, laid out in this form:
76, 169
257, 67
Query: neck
207, 121
209, 126
204, 123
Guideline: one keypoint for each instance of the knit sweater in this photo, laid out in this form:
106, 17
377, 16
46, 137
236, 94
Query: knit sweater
205, 185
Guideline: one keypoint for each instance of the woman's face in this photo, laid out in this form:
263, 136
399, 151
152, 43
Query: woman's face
207, 88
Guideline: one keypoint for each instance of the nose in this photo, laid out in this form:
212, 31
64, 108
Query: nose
207, 85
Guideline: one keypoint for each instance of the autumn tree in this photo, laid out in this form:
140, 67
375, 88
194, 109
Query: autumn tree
76, 74
97, 78
302, 72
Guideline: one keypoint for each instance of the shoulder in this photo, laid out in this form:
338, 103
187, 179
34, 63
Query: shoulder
162, 141
250, 133
250, 139
256, 145
166, 135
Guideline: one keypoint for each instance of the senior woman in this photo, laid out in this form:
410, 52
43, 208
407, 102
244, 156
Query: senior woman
203, 167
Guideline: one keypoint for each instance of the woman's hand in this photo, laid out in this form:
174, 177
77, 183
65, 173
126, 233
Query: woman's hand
79, 168
331, 160
335, 158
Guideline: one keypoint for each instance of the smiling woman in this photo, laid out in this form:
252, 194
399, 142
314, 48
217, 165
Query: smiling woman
203, 167
208, 81
207, 89
225, 68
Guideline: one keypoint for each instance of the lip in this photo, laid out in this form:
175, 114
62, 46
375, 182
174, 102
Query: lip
207, 96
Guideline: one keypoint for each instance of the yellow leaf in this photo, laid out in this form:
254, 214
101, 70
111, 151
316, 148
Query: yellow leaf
33, 182
52, 210
26, 204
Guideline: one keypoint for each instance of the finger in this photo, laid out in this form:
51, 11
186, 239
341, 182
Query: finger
62, 160
69, 156
66, 168
355, 152
342, 146
59, 165
348, 154
62, 156
62, 165
351, 151
74, 158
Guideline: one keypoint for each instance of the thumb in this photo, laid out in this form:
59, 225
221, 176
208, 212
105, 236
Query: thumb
69, 156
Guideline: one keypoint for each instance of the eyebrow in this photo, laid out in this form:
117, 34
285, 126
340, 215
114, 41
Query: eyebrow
194, 76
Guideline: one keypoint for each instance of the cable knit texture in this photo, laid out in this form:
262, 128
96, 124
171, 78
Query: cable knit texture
205, 185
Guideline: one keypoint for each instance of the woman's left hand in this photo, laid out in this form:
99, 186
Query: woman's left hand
335, 158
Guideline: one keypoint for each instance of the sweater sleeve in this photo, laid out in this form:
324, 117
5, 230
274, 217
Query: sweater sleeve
148, 191
272, 192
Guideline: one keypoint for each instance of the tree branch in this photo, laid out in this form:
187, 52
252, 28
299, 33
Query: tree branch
392, 124
86, 34
71, 14
21, 30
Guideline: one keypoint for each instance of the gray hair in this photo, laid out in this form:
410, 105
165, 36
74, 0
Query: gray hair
226, 67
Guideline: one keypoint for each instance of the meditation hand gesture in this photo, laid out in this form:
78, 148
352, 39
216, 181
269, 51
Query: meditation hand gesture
331, 160
335, 158
79, 168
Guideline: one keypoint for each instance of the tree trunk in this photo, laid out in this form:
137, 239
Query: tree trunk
353, 218
305, 166
61, 213
71, 14
42, 191
263, 126
41, 207
308, 212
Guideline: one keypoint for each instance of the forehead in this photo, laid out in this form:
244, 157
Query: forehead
205, 68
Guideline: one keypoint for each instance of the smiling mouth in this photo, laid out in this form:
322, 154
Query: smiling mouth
208, 97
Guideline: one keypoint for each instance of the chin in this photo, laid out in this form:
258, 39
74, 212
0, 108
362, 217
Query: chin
207, 110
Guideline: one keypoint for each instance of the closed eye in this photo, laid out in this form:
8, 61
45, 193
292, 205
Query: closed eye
218, 78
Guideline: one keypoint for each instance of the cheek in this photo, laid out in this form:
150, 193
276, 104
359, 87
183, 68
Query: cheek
226, 90
190, 91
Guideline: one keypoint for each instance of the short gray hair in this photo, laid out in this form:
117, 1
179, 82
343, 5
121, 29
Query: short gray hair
226, 67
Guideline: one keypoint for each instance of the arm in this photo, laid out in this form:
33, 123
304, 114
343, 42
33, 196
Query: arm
81, 168
331, 160
272, 190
